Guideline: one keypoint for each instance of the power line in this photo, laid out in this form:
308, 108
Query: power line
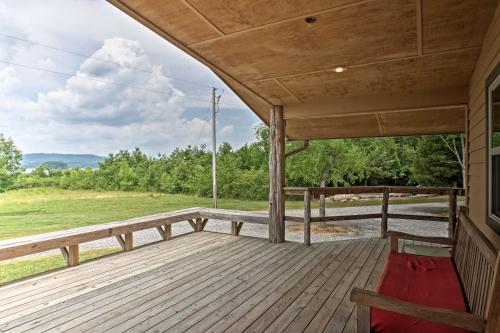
104, 81
102, 60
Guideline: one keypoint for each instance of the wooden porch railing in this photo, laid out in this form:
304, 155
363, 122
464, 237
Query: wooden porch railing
68, 241
314, 192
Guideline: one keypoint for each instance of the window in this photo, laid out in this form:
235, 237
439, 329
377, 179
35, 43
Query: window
493, 97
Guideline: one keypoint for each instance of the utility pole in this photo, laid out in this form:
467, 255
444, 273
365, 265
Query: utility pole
214, 152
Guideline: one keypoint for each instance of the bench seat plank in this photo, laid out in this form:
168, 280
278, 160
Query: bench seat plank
423, 280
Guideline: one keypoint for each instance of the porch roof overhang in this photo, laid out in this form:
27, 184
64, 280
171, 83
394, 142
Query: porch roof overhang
408, 62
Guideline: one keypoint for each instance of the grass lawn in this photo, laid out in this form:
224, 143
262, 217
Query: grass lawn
20, 268
33, 211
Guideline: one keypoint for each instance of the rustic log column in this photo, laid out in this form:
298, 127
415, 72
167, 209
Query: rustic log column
276, 175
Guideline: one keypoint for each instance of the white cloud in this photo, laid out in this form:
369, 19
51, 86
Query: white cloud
97, 114
226, 130
45, 112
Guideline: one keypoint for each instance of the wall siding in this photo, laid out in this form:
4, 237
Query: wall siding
476, 130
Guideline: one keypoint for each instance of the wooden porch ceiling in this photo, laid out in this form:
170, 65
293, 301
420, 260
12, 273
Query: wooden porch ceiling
408, 61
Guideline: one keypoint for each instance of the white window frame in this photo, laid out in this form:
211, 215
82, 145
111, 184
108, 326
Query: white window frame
491, 151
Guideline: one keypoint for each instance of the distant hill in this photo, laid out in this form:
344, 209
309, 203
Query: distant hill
31, 161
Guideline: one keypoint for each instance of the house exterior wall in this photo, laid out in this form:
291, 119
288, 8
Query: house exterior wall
476, 131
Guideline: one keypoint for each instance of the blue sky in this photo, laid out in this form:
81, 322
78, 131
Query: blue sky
82, 112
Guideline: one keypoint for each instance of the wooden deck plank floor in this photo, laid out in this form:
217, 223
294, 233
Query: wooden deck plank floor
201, 282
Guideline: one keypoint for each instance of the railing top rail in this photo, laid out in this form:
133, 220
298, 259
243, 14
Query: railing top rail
17, 247
316, 191
110, 227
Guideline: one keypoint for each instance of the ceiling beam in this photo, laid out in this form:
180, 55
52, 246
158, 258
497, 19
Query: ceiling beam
445, 120
370, 104
285, 88
203, 17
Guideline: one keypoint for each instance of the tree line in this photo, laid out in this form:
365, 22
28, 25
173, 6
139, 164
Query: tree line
243, 173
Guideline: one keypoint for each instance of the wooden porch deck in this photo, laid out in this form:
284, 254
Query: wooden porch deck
201, 282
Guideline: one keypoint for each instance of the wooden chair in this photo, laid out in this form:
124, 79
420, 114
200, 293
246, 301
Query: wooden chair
477, 263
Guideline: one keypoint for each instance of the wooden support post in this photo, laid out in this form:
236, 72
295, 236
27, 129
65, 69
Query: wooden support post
71, 255
199, 224
203, 223
161, 231
363, 319
127, 243
385, 213
452, 212
65, 254
236, 228
193, 225
168, 231
120, 240
277, 175
74, 255
307, 217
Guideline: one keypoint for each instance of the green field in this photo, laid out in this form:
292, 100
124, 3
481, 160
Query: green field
28, 212
20, 268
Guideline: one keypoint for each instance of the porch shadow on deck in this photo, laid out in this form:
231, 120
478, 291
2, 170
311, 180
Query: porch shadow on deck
201, 282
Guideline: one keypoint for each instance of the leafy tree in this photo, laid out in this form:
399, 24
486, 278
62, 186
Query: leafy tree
326, 163
243, 173
127, 176
10, 162
455, 143
387, 160
434, 163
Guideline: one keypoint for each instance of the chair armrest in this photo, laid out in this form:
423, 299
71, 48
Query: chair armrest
464, 320
396, 235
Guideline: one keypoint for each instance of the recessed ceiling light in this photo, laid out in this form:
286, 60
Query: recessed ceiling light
310, 20
340, 69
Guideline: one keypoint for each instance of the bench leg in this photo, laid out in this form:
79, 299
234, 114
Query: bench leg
165, 231
203, 224
168, 231
199, 224
236, 228
126, 244
161, 231
129, 241
363, 319
394, 244
71, 255
193, 225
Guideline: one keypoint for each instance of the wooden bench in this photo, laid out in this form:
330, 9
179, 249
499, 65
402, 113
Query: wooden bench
68, 240
477, 265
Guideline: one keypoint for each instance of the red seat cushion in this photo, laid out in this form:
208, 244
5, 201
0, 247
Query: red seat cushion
423, 280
